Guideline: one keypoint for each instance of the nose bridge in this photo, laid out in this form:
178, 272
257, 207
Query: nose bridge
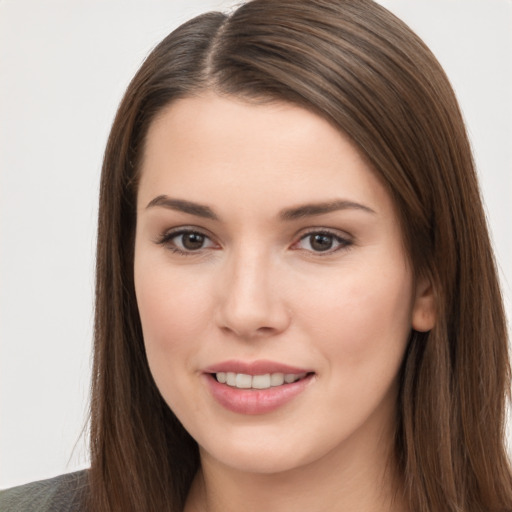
251, 302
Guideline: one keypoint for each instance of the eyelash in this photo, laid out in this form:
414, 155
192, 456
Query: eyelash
344, 243
166, 240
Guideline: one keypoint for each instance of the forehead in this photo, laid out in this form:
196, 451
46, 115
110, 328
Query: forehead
222, 148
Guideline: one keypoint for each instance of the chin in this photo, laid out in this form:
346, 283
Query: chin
263, 450
257, 460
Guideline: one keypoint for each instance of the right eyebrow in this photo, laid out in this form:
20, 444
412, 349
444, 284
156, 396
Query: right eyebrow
180, 205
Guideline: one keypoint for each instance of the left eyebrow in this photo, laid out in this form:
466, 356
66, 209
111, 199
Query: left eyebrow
312, 209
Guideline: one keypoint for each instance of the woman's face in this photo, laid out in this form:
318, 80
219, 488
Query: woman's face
274, 292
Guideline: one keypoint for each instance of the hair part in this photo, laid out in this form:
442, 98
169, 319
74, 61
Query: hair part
355, 64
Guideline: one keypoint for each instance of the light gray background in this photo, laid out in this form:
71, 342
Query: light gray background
63, 68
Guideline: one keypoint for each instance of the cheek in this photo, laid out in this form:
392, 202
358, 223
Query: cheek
171, 307
361, 319
173, 315
361, 332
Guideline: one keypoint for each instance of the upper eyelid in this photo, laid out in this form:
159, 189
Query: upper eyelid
179, 230
330, 231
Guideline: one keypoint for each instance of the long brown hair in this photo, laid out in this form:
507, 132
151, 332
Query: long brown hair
358, 66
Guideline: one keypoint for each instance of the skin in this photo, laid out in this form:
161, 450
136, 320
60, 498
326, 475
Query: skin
258, 288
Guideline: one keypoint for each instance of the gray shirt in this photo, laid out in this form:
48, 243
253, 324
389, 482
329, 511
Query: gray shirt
63, 493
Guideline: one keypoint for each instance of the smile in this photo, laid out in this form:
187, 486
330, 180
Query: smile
266, 381
257, 387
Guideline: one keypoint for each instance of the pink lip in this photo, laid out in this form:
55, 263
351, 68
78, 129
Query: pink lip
255, 401
260, 367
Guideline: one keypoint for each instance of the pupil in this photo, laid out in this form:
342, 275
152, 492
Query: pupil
321, 242
193, 241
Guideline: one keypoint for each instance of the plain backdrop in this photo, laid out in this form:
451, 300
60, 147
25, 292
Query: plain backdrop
63, 68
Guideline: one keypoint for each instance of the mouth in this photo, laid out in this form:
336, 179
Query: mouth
263, 381
257, 387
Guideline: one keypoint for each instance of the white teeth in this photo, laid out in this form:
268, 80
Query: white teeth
261, 381
277, 379
244, 381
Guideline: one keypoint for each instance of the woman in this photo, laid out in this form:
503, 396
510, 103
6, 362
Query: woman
297, 303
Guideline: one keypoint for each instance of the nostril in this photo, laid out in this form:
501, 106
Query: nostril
259, 332
265, 330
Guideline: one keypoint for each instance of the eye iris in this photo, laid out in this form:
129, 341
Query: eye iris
320, 242
192, 241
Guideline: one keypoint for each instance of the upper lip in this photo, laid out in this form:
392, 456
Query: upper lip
260, 367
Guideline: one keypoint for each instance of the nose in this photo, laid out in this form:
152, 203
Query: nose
251, 301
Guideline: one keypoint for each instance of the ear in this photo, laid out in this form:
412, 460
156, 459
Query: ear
424, 309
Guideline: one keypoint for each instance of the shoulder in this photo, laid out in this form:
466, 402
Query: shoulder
63, 493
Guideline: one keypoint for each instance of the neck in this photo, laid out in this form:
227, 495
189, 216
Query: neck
358, 478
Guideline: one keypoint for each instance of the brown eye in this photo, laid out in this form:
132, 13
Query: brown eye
186, 241
192, 241
321, 242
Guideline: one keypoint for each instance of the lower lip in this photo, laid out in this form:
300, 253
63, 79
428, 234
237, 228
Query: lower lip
255, 401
